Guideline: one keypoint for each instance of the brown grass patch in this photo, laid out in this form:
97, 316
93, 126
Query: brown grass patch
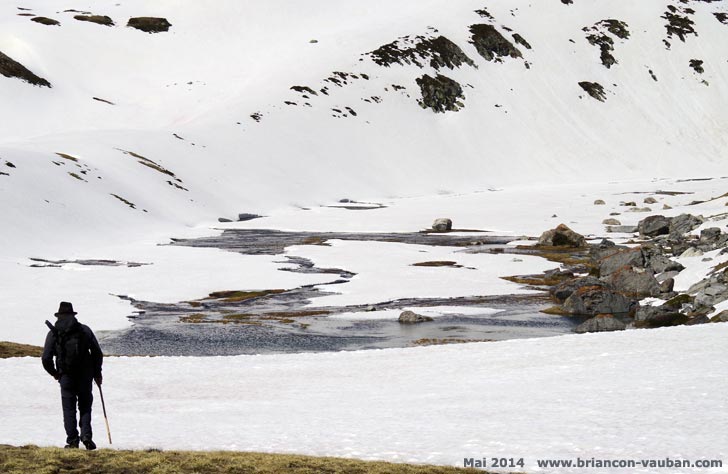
238, 296
535, 280
438, 263
22, 460
555, 310
12, 349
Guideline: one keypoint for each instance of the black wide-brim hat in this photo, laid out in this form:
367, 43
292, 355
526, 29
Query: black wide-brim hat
65, 308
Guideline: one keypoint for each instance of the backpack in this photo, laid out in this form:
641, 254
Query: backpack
72, 349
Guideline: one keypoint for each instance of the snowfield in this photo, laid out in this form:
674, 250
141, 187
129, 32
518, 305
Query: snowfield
279, 109
644, 394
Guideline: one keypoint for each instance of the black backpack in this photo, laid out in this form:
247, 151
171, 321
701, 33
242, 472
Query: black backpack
72, 349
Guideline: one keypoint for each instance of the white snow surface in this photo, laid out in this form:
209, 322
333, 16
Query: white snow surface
529, 150
643, 394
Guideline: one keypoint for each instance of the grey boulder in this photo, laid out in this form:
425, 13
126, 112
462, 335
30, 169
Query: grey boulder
601, 323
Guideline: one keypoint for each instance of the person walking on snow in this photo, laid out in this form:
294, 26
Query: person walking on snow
78, 360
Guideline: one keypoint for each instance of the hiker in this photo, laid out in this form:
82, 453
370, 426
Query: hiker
78, 360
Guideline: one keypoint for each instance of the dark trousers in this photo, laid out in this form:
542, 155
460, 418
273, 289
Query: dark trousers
76, 390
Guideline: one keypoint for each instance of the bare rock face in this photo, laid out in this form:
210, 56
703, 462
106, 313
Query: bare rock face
628, 257
442, 225
98, 19
634, 282
562, 236
563, 290
149, 24
654, 225
440, 93
684, 223
410, 317
492, 45
593, 300
594, 89
601, 323
11, 68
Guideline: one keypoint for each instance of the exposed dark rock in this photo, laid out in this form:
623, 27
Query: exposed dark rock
679, 23
484, 14
611, 221
521, 40
46, 21
597, 36
442, 225
601, 323
599, 202
490, 44
563, 290
722, 17
304, 90
631, 257
224, 219
699, 319
11, 68
149, 24
594, 89
684, 223
604, 249
710, 236
98, 19
658, 316
245, 216
440, 93
697, 65
409, 317
436, 52
654, 225
593, 300
562, 236
721, 317
667, 286
634, 282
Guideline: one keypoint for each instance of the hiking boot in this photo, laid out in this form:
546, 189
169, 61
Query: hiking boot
71, 445
90, 445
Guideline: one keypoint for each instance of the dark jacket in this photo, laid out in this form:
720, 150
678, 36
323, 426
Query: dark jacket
90, 363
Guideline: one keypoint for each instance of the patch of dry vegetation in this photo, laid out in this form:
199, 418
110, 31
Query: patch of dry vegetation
11, 349
22, 460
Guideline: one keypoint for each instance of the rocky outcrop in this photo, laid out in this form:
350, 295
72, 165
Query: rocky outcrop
410, 317
634, 282
593, 300
11, 68
442, 225
631, 257
149, 24
594, 89
684, 223
490, 44
440, 93
98, 19
562, 236
601, 323
436, 52
563, 290
45, 21
658, 316
653, 226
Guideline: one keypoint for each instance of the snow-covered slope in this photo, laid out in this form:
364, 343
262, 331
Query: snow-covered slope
522, 120
639, 395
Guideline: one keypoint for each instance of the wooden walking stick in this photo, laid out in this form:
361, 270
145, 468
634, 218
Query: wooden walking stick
103, 406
